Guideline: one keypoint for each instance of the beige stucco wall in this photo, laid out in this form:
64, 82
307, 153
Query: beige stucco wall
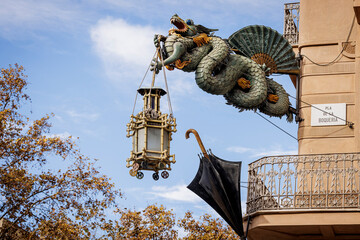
324, 27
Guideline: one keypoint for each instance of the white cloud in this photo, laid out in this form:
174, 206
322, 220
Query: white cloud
20, 17
239, 149
262, 152
177, 193
79, 116
179, 84
118, 39
274, 152
208, 10
124, 49
63, 135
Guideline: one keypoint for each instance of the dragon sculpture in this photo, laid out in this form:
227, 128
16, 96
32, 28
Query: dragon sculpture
238, 68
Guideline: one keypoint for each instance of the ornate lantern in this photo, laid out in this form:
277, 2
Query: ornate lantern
151, 135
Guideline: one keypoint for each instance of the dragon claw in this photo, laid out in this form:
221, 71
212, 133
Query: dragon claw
157, 39
155, 65
273, 98
243, 83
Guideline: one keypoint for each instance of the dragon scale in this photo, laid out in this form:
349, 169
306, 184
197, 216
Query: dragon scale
215, 57
238, 77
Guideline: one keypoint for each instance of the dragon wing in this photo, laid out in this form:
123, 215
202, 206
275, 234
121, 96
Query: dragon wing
266, 46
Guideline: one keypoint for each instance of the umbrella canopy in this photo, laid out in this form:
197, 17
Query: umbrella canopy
217, 182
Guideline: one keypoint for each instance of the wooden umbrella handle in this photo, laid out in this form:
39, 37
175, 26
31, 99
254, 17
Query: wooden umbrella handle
187, 135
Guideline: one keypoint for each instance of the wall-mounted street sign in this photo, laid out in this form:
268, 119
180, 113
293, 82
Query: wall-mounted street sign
331, 114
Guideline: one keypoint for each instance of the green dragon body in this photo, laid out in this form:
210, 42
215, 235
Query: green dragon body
218, 71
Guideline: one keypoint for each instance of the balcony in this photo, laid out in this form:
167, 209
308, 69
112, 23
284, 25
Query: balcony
304, 197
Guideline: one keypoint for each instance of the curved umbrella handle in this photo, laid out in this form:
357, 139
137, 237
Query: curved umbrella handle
201, 145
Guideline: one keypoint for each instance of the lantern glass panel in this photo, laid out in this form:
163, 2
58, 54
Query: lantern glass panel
154, 139
140, 140
166, 140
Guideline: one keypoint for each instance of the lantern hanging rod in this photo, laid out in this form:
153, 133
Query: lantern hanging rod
159, 55
153, 80
165, 80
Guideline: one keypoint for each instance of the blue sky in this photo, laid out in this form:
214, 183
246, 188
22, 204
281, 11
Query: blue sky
85, 60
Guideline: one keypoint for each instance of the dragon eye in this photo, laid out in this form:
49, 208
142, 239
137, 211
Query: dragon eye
189, 22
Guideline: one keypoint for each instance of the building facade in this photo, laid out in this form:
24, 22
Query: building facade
315, 194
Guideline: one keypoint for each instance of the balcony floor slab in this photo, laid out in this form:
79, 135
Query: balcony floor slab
305, 224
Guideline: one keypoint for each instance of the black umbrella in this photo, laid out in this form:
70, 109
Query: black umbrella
217, 182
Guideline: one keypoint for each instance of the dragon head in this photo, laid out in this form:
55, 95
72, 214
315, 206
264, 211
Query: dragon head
187, 27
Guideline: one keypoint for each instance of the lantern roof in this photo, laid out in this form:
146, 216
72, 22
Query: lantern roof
143, 90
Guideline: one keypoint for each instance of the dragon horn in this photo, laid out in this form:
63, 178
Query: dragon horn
202, 29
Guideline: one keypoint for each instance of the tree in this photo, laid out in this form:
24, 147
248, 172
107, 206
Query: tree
55, 204
154, 222
206, 228
158, 223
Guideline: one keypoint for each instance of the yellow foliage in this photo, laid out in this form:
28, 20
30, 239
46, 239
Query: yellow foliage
206, 228
61, 204
157, 223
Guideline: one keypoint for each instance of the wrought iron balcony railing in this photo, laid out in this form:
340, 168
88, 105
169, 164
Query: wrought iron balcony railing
328, 181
